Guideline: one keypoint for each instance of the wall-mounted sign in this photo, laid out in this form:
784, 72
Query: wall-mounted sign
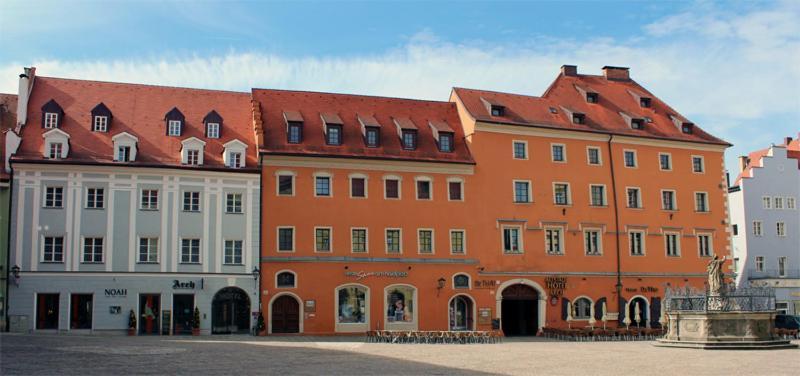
555, 285
311, 306
166, 321
189, 285
642, 289
114, 309
484, 316
389, 274
116, 293
485, 284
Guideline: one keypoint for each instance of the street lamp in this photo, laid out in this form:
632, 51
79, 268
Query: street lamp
256, 273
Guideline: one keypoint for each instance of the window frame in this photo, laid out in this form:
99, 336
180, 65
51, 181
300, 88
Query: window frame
233, 256
227, 203
192, 157
791, 203
414, 139
191, 204
699, 243
599, 231
669, 161
278, 239
568, 193
766, 202
149, 199
677, 235
419, 241
643, 242
51, 120
286, 271
604, 198
339, 137
59, 201
353, 243
323, 175
514, 191
456, 287
365, 178
777, 203
93, 247
639, 204
330, 239
635, 158
780, 229
102, 200
563, 152
520, 241
589, 156
215, 126
759, 263
56, 150
548, 243
43, 255
705, 202
372, 131
674, 200
460, 182
123, 153
98, 121
278, 175
171, 124
702, 164
191, 246
758, 228
298, 125
399, 181
149, 248
399, 240
463, 241
422, 179
514, 144
451, 143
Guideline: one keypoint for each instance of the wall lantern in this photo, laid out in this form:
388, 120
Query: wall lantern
256, 273
15, 273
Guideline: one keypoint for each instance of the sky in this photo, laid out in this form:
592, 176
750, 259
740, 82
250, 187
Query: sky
733, 68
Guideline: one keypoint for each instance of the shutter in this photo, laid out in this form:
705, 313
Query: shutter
655, 312
622, 312
598, 309
564, 303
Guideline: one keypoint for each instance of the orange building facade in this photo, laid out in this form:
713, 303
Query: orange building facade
491, 210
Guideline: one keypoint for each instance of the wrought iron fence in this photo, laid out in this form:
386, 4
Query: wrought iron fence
749, 299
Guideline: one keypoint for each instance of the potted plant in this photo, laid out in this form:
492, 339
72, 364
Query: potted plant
196, 322
261, 328
132, 324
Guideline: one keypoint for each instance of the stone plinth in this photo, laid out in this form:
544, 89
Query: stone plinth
722, 330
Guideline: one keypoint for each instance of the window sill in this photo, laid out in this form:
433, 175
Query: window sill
94, 208
285, 195
674, 256
92, 263
513, 253
147, 209
637, 255
555, 253
52, 207
458, 253
239, 213
599, 206
147, 262
593, 254
563, 205
523, 202
190, 211
51, 262
702, 211
238, 264
285, 287
635, 207
190, 263
285, 251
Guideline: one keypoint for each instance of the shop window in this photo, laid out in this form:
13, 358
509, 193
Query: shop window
285, 280
400, 303
582, 308
352, 304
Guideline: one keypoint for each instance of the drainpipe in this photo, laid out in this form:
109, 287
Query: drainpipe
616, 224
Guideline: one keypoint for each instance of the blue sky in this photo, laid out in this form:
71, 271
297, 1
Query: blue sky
732, 67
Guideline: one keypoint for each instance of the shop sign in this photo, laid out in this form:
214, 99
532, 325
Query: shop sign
485, 284
311, 306
484, 316
178, 285
114, 293
642, 289
555, 285
388, 274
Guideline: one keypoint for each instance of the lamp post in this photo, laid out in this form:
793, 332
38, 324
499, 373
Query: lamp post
15, 273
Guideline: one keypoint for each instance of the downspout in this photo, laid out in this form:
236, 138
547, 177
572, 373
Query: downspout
616, 224
6, 275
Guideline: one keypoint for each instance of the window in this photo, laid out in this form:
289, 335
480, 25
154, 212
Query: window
634, 198
782, 308
553, 240
53, 197
372, 138
578, 118
94, 198
561, 194
400, 303
665, 161
583, 309
782, 266
461, 281
636, 242
100, 124
668, 200
778, 203
174, 128
637, 123
522, 191
233, 252
598, 195
285, 280
559, 153
212, 130
53, 249
498, 110
445, 142
56, 149
322, 186
352, 305
630, 158
124, 154
704, 245
322, 239
687, 128
190, 251
285, 239
757, 231
457, 242
391, 188
235, 159
358, 240
149, 199
233, 203
358, 187
191, 201
511, 240
698, 164
148, 250
767, 201
286, 185
644, 102
759, 263
393, 241
672, 245
425, 241
334, 135
50, 120
93, 250
423, 189
593, 156
735, 230
781, 228
701, 202
790, 204
592, 97
193, 157
455, 190
295, 133
520, 150
592, 242
409, 140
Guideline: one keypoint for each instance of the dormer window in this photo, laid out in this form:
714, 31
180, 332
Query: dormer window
175, 121
234, 154
578, 118
592, 97
212, 130
446, 142
407, 131
56, 148
123, 154
192, 151
193, 157
637, 123
443, 135
50, 120
295, 133
687, 128
101, 118
409, 140
372, 137
51, 115
235, 160
124, 147
334, 136
644, 102
498, 110
213, 123
370, 129
174, 128
493, 106
56, 144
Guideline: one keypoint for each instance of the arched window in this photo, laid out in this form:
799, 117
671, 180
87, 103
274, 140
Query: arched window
461, 281
351, 305
285, 279
583, 309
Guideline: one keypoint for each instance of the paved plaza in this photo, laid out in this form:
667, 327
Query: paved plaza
105, 355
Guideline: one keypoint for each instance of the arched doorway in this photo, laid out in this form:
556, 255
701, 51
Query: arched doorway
230, 312
285, 315
460, 312
641, 303
520, 311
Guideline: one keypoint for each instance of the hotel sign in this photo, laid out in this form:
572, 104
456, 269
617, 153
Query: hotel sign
387, 274
555, 285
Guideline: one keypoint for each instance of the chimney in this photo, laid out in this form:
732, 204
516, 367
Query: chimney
23, 93
616, 73
569, 70
743, 160
787, 141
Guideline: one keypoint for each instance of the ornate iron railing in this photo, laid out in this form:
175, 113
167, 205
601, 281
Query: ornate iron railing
749, 299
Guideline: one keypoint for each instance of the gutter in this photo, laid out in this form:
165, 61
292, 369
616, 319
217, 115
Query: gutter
616, 223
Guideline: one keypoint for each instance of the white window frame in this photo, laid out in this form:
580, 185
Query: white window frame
192, 144
677, 243
561, 245
419, 241
669, 160
777, 203
231, 148
791, 203
125, 139
193, 157
292, 272
214, 127
330, 239
183, 202
353, 243
603, 204
291, 174
453, 281
635, 158
460, 181
758, 228
199, 252
463, 241
174, 128
399, 186
643, 235
278, 239
149, 248
569, 193
418, 179
241, 203
705, 202
639, 204
330, 184
599, 232
514, 191
366, 185
233, 255
54, 206
780, 229
63, 249
599, 156
702, 164
150, 199
766, 202
563, 152
782, 266
50, 120
102, 203
56, 150
84, 239
759, 263
700, 235
513, 150
386, 240
100, 123
521, 246
674, 200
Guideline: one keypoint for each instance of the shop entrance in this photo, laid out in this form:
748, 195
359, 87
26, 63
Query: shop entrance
285, 315
461, 313
149, 313
81, 311
520, 306
47, 311
182, 308
639, 321
230, 312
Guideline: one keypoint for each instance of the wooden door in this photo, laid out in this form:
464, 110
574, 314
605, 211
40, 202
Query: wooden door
285, 315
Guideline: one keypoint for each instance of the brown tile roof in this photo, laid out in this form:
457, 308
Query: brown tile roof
615, 97
8, 119
349, 108
140, 111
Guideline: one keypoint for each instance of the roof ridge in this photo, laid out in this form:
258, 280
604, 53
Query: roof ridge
352, 95
144, 85
500, 92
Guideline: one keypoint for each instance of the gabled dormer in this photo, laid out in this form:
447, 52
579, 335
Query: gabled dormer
101, 118
192, 150
407, 131
443, 135
643, 100
56, 144
573, 116
588, 94
213, 124
684, 125
332, 127
294, 126
234, 154
494, 107
52, 114
371, 130
125, 147
633, 121
174, 121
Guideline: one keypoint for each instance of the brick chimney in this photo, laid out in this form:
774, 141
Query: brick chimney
616, 73
787, 141
743, 161
569, 70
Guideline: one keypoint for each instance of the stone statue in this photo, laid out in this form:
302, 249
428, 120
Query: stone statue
715, 281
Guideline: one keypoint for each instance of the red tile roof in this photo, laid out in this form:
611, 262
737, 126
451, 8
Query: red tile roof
564, 95
138, 110
8, 120
754, 158
415, 114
